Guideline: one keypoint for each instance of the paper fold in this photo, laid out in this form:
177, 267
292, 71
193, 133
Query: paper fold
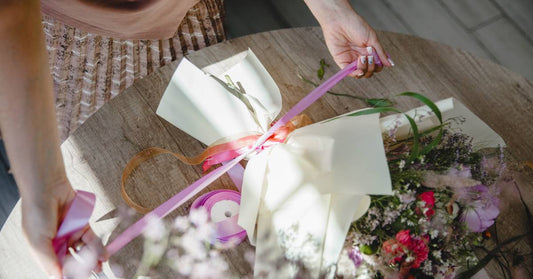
201, 106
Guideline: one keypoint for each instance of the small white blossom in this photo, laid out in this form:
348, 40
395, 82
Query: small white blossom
433, 234
401, 165
427, 268
437, 254
198, 216
181, 223
155, 230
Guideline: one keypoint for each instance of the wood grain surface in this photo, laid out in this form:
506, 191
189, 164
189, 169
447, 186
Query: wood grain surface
96, 153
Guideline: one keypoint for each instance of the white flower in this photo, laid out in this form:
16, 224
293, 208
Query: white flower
434, 234
184, 265
155, 230
437, 254
401, 165
427, 268
181, 223
407, 197
198, 216
193, 246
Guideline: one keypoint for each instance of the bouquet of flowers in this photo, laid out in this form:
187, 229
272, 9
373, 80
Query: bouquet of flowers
443, 204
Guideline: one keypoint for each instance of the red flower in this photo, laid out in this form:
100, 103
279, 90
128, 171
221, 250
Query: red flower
420, 251
405, 245
428, 197
392, 247
430, 212
404, 238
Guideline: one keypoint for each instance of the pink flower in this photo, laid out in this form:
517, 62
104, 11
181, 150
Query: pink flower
356, 256
480, 207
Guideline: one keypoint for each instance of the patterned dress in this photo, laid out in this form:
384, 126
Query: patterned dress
88, 69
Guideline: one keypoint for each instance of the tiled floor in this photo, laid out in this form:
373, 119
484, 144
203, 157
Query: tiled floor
500, 30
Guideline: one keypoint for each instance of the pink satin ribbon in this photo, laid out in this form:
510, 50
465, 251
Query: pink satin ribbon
77, 219
190, 191
227, 229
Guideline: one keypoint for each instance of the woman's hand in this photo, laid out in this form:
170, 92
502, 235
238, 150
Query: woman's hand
29, 127
42, 212
349, 37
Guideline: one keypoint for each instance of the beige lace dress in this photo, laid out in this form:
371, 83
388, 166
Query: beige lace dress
88, 69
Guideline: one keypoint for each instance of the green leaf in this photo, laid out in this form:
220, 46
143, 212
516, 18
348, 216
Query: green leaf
320, 73
370, 102
373, 110
437, 113
365, 112
416, 138
433, 143
321, 70
379, 102
426, 102
368, 249
323, 62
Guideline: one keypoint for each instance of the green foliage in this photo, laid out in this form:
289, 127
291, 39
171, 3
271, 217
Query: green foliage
320, 71
368, 249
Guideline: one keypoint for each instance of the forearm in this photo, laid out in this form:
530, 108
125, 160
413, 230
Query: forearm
27, 113
326, 11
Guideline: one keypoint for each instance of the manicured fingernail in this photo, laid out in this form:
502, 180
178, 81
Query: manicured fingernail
369, 50
360, 74
363, 59
370, 59
391, 62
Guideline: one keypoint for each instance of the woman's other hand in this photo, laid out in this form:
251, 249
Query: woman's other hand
349, 37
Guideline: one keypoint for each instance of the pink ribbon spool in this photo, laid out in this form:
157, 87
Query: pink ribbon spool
225, 221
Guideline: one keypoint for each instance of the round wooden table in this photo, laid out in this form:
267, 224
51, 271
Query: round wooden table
96, 153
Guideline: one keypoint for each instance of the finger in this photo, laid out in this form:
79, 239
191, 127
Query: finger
384, 57
94, 243
76, 237
88, 258
378, 66
345, 60
47, 258
375, 59
80, 264
370, 67
361, 67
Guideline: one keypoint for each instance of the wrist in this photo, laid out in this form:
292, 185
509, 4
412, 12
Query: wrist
55, 187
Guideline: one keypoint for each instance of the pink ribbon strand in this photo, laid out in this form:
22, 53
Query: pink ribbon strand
81, 209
